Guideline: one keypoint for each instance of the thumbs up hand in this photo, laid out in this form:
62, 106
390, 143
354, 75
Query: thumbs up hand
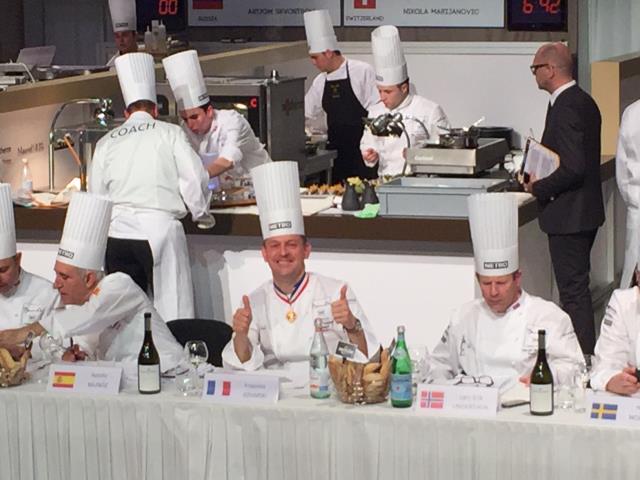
242, 317
341, 312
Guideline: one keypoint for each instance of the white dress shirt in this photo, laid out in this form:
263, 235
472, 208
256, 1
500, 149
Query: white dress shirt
504, 347
390, 149
275, 341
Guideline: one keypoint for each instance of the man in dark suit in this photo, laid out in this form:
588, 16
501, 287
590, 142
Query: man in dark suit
570, 199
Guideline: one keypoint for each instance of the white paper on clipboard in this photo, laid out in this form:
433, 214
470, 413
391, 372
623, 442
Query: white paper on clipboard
539, 160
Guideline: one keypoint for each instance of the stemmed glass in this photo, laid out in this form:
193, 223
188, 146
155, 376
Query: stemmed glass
197, 353
52, 350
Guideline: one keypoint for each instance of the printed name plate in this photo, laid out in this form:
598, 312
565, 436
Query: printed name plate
241, 388
84, 378
608, 409
471, 401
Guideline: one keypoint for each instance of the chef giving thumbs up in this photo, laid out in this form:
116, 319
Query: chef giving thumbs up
242, 318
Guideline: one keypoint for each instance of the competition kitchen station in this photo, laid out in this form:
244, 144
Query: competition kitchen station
403, 263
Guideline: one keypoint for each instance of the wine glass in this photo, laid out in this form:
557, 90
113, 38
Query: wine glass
52, 350
197, 353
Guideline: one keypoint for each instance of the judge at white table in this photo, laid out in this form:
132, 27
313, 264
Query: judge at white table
275, 324
111, 307
496, 335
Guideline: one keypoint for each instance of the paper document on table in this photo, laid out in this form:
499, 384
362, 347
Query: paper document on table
539, 160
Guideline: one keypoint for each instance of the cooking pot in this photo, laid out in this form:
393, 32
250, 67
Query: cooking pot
460, 137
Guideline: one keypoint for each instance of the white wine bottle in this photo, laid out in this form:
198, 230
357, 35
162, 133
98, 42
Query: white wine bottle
541, 388
148, 362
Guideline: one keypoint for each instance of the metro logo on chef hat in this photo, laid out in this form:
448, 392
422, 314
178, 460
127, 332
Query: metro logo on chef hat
137, 77
319, 31
86, 227
388, 56
493, 220
185, 77
7, 223
123, 15
277, 188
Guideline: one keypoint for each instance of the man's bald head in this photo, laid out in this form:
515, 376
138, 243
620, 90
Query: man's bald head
554, 66
558, 55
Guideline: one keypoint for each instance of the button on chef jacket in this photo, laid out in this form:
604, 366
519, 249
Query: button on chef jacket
390, 149
275, 341
363, 83
115, 311
479, 342
149, 171
231, 137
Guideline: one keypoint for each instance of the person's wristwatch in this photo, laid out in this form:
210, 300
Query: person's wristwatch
356, 328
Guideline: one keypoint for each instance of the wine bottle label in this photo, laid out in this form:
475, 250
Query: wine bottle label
541, 397
148, 378
401, 389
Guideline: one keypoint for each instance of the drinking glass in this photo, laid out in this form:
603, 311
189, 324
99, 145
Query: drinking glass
581, 374
418, 355
197, 353
52, 350
184, 380
564, 397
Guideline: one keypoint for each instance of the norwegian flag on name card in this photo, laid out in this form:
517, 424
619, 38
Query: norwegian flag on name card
207, 5
364, 3
431, 399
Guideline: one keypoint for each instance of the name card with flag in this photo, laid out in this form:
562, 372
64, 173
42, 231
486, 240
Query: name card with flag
84, 378
241, 388
464, 400
608, 409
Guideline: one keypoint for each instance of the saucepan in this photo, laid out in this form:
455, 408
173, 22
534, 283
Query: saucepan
460, 137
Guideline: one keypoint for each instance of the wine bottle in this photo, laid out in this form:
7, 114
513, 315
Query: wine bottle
541, 387
319, 364
148, 362
401, 386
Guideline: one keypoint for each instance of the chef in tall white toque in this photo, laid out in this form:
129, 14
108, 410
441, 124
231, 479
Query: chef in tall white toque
275, 324
123, 20
149, 171
24, 297
110, 306
418, 113
223, 138
497, 335
339, 96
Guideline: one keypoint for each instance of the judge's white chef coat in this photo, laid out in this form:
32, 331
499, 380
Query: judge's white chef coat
149, 171
618, 344
479, 342
390, 149
231, 137
115, 311
628, 178
276, 342
363, 82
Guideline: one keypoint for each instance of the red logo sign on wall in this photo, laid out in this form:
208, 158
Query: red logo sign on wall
364, 3
208, 4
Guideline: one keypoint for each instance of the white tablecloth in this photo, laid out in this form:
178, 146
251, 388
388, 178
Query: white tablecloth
57, 436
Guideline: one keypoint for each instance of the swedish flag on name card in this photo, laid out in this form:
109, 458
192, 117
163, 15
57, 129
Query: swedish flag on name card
609, 409
241, 388
604, 411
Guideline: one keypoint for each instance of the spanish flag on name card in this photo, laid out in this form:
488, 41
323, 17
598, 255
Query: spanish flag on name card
64, 379
604, 411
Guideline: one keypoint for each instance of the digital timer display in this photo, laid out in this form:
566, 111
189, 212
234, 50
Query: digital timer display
543, 15
171, 12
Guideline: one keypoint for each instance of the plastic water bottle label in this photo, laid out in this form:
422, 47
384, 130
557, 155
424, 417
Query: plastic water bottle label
401, 387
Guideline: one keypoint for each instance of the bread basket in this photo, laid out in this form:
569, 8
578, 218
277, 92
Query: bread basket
13, 372
358, 383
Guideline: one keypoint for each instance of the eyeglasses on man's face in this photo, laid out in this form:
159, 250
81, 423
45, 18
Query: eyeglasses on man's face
534, 68
482, 380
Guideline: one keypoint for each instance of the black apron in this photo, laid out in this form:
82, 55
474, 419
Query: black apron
344, 121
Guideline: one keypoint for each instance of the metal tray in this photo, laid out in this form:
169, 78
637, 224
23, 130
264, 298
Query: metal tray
432, 197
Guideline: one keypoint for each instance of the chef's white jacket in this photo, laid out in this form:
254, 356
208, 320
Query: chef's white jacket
618, 344
390, 149
628, 178
504, 347
231, 137
363, 82
115, 312
276, 342
35, 294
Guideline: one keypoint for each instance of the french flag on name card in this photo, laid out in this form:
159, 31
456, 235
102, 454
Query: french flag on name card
431, 399
364, 3
211, 388
207, 5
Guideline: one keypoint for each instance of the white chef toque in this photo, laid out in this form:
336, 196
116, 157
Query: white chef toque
185, 77
319, 31
86, 227
137, 77
7, 223
277, 187
388, 56
493, 220
123, 15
